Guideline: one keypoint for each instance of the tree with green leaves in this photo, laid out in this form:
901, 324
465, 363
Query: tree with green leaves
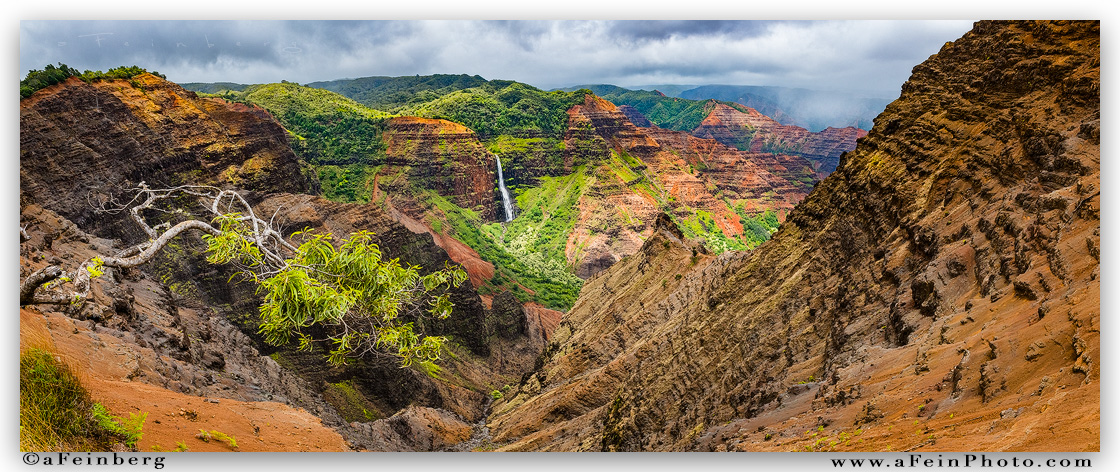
310, 282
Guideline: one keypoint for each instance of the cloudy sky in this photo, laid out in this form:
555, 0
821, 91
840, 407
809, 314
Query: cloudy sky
874, 57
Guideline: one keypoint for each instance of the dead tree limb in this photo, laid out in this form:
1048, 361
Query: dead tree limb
46, 286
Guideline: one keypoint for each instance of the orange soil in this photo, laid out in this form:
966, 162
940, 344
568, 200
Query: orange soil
104, 363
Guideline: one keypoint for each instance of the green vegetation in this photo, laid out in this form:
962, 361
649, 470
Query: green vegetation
503, 107
758, 228
214, 87
519, 155
180, 446
369, 304
350, 183
130, 429
489, 107
339, 138
329, 128
56, 413
214, 435
678, 114
701, 226
396, 93
39, 79
286, 97
350, 403
527, 252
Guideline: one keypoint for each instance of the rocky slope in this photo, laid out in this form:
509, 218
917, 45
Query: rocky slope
640, 171
80, 142
447, 157
190, 328
939, 291
756, 132
142, 347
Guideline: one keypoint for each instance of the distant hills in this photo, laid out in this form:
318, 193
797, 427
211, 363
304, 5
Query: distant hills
214, 87
814, 110
811, 109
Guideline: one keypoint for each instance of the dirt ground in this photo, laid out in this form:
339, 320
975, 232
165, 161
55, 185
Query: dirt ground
104, 363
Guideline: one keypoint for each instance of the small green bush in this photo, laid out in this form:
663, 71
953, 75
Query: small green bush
207, 436
50, 75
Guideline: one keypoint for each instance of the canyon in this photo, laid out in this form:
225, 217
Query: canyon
931, 284
939, 291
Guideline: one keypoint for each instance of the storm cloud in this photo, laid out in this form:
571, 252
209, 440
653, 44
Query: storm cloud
869, 57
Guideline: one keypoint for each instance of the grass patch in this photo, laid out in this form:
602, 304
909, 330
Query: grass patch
350, 403
214, 435
758, 228
701, 226
351, 183
56, 412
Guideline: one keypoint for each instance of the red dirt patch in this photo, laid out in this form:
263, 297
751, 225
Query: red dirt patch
104, 364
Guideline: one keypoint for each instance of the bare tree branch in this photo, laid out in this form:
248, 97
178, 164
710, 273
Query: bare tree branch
368, 305
38, 289
34, 281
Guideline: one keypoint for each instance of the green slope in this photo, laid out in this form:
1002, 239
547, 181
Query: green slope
489, 107
339, 138
673, 113
396, 93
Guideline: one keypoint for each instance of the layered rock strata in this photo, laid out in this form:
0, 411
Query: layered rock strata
669, 169
939, 291
755, 132
81, 143
446, 157
192, 326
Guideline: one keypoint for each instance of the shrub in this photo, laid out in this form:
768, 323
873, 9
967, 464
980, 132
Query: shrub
39, 79
215, 435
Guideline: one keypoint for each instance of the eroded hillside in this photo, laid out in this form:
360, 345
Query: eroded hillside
586, 182
177, 332
939, 291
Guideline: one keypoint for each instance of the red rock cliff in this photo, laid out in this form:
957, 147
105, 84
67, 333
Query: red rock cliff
694, 174
756, 132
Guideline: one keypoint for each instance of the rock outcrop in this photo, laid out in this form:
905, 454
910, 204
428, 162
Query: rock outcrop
755, 132
640, 171
81, 142
144, 347
446, 157
939, 291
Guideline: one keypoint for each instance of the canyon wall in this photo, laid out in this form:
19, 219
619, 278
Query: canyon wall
446, 157
191, 325
755, 132
82, 142
939, 291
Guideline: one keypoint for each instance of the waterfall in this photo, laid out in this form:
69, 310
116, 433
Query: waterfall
505, 192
